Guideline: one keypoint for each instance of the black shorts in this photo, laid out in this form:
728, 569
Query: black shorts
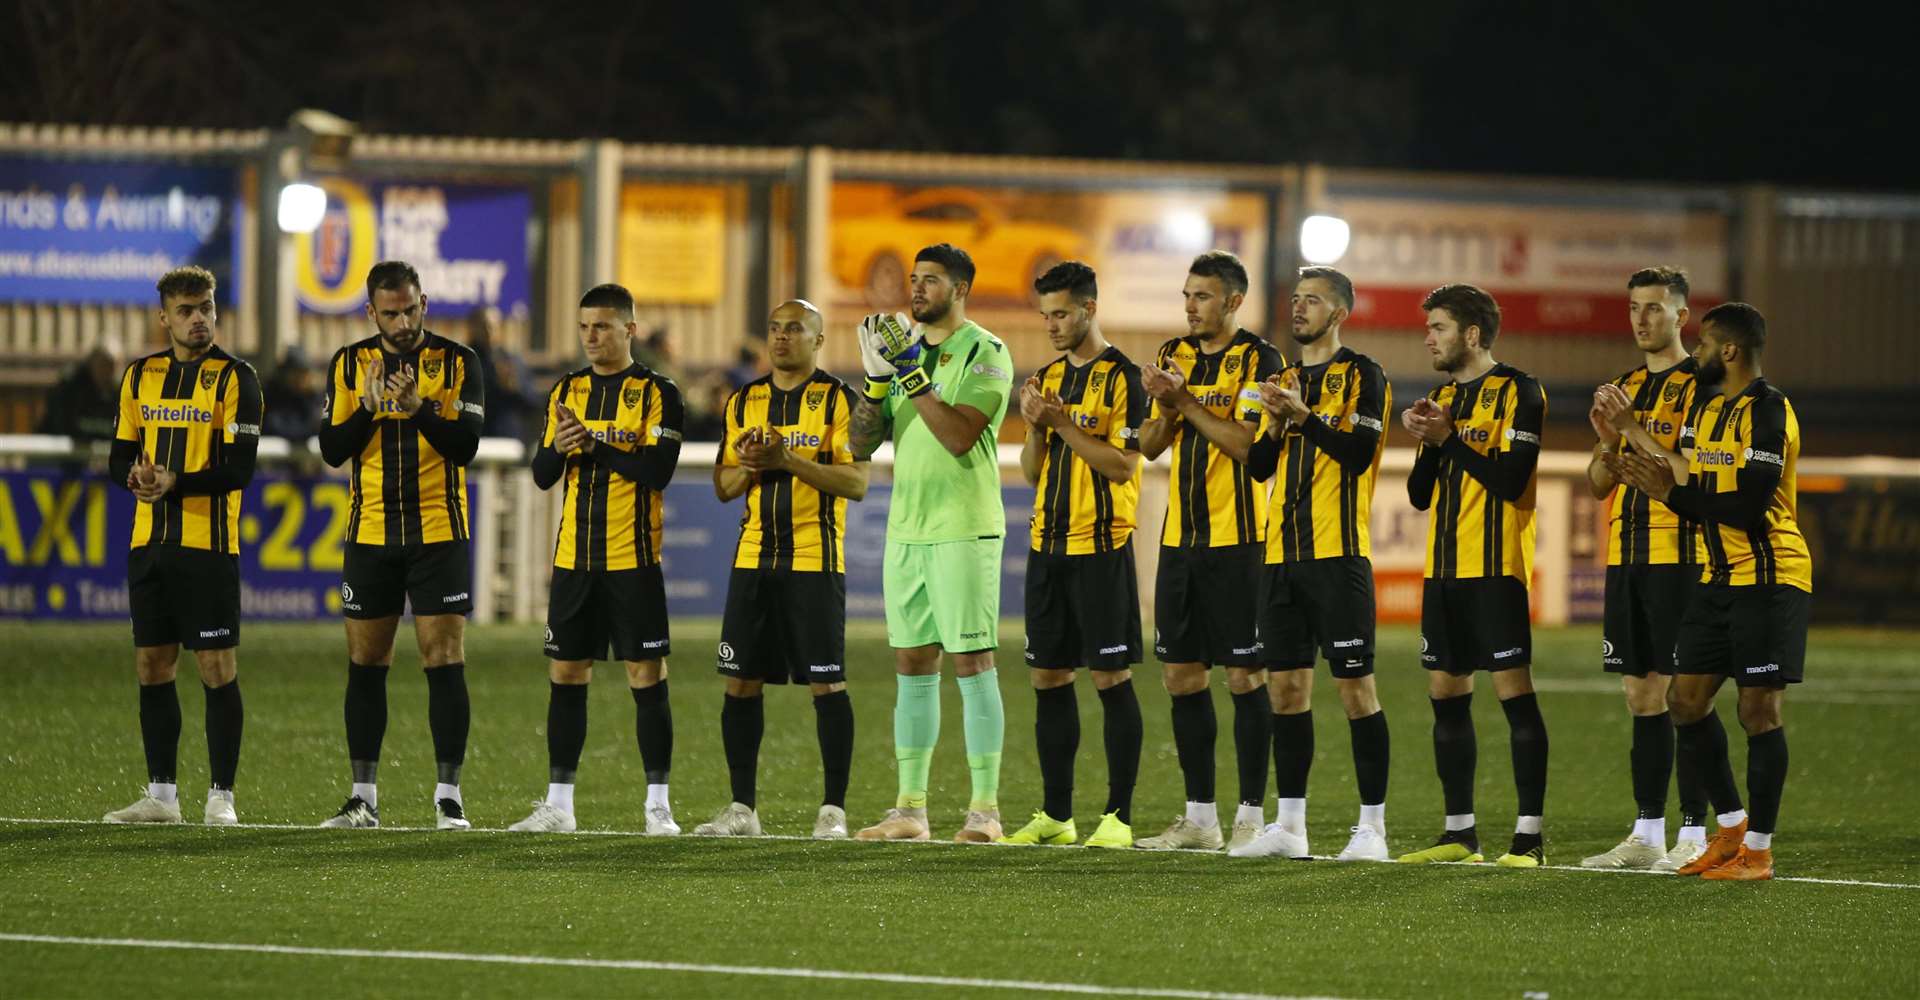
186, 596
783, 625
379, 580
1205, 601
1323, 605
1083, 611
1475, 624
1641, 632
591, 613
1755, 634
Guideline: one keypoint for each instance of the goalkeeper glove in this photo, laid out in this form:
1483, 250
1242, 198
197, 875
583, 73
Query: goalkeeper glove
880, 371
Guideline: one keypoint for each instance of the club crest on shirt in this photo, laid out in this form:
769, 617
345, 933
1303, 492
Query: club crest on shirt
208, 377
1095, 381
1231, 366
815, 397
1334, 382
630, 396
430, 367
1488, 395
1670, 393
944, 358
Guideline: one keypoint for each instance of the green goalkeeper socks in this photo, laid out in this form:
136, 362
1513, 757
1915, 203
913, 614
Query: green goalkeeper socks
916, 729
986, 720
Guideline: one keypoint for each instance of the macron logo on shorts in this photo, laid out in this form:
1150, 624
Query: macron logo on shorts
1348, 643
1105, 650
1507, 653
451, 598
216, 633
824, 668
653, 644
1764, 668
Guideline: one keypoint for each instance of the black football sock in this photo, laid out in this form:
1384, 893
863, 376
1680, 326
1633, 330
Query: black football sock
1470, 837
1524, 842
1527, 739
1252, 741
833, 724
1690, 785
225, 718
1124, 732
743, 721
653, 728
1292, 753
1652, 762
1194, 731
1706, 742
449, 714
366, 719
1455, 751
160, 730
1766, 778
1372, 753
1056, 733
566, 730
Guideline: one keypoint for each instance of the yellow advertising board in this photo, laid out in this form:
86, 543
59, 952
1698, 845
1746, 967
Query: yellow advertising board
673, 242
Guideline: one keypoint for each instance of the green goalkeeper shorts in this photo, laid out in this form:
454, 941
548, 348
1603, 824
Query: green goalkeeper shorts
945, 593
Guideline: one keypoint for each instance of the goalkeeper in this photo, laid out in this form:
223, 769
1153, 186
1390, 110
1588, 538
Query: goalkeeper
940, 383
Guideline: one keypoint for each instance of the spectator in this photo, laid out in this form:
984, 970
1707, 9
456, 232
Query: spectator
657, 353
511, 397
293, 397
749, 364
706, 403
83, 404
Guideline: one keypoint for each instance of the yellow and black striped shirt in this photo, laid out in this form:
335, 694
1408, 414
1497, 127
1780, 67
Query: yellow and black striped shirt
1076, 510
409, 473
1213, 500
610, 512
1479, 484
789, 524
1743, 489
1645, 532
1323, 502
195, 418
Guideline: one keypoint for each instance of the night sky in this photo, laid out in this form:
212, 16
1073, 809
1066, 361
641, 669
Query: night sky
1786, 93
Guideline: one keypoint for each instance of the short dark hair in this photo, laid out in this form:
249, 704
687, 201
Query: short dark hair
1469, 305
609, 296
1673, 279
1069, 276
1342, 285
1223, 265
189, 280
959, 266
1740, 323
392, 276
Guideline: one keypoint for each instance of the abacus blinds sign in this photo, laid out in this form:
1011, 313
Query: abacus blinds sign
468, 241
100, 233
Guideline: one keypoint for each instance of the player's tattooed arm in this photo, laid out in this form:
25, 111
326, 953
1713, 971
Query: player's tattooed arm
868, 428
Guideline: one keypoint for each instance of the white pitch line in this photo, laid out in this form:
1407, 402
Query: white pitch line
30, 821
645, 965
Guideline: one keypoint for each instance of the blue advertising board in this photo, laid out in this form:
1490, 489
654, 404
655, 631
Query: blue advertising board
698, 536
468, 241
90, 232
64, 537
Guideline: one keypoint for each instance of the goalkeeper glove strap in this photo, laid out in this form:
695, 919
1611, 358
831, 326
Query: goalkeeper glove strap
914, 381
877, 388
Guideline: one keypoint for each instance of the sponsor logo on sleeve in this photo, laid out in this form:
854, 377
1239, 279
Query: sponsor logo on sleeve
1368, 422
1755, 455
1523, 436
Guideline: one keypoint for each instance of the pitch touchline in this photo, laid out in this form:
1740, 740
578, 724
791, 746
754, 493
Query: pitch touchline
644, 965
28, 821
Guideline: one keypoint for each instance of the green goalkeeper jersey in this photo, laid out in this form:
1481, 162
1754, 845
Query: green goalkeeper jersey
937, 496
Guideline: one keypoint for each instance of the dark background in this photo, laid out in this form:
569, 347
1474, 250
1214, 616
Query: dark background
1790, 93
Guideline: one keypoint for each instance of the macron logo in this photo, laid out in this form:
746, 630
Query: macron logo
1105, 650
1764, 668
1348, 643
1506, 654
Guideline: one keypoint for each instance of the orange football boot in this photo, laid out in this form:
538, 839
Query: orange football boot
1747, 866
1722, 847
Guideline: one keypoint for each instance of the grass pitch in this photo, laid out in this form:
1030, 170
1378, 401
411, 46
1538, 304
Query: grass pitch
409, 913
